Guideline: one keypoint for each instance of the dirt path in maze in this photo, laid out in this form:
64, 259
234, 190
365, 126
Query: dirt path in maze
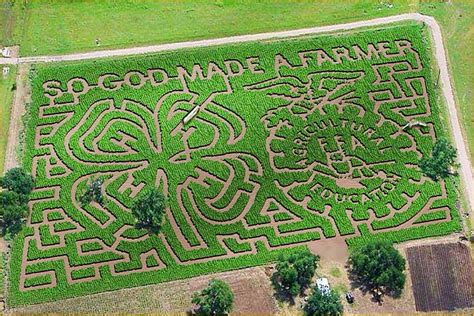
334, 248
439, 51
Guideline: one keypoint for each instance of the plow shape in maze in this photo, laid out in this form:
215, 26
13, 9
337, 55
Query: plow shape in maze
260, 148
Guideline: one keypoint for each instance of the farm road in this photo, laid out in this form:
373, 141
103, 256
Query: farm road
466, 172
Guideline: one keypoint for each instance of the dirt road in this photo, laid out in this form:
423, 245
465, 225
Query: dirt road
463, 156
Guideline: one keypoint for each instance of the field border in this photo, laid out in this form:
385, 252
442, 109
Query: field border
436, 45
438, 50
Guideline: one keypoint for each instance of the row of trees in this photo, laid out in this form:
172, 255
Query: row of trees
16, 188
377, 267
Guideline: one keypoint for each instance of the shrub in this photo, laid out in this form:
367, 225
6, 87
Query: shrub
149, 210
441, 162
17, 180
216, 299
378, 265
323, 303
93, 193
294, 272
17, 185
13, 217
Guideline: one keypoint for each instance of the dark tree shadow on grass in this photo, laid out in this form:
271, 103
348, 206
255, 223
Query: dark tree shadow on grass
367, 288
281, 294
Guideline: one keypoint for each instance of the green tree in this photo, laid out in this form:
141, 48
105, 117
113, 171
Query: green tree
8, 198
17, 180
294, 272
93, 193
17, 186
216, 299
149, 210
378, 265
441, 162
323, 304
13, 217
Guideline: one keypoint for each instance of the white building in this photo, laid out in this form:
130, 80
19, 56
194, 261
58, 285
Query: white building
323, 285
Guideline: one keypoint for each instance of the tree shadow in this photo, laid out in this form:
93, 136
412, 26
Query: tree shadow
281, 294
366, 287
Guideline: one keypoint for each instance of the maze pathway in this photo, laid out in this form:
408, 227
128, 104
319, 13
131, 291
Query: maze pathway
259, 148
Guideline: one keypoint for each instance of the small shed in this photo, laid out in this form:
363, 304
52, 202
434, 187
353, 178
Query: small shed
323, 285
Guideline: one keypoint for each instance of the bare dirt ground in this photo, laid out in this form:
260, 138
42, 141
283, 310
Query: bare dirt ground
442, 276
251, 287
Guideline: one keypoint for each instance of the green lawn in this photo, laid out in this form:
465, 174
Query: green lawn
457, 24
52, 27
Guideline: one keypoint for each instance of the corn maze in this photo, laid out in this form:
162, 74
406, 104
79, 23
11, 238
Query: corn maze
260, 148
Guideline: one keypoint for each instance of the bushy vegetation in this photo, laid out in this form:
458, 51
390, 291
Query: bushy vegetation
379, 266
17, 186
149, 210
18, 181
92, 193
294, 272
442, 161
319, 303
216, 299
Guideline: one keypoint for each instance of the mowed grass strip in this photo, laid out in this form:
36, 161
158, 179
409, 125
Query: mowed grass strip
58, 27
6, 99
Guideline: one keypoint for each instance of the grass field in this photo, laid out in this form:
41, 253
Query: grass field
291, 142
457, 25
52, 27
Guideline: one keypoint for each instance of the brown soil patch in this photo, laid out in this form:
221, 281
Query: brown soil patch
251, 287
331, 250
442, 276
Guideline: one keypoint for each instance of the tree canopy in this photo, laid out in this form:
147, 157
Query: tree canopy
441, 161
17, 186
216, 299
93, 193
17, 180
149, 210
294, 272
13, 216
8, 198
378, 265
319, 303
